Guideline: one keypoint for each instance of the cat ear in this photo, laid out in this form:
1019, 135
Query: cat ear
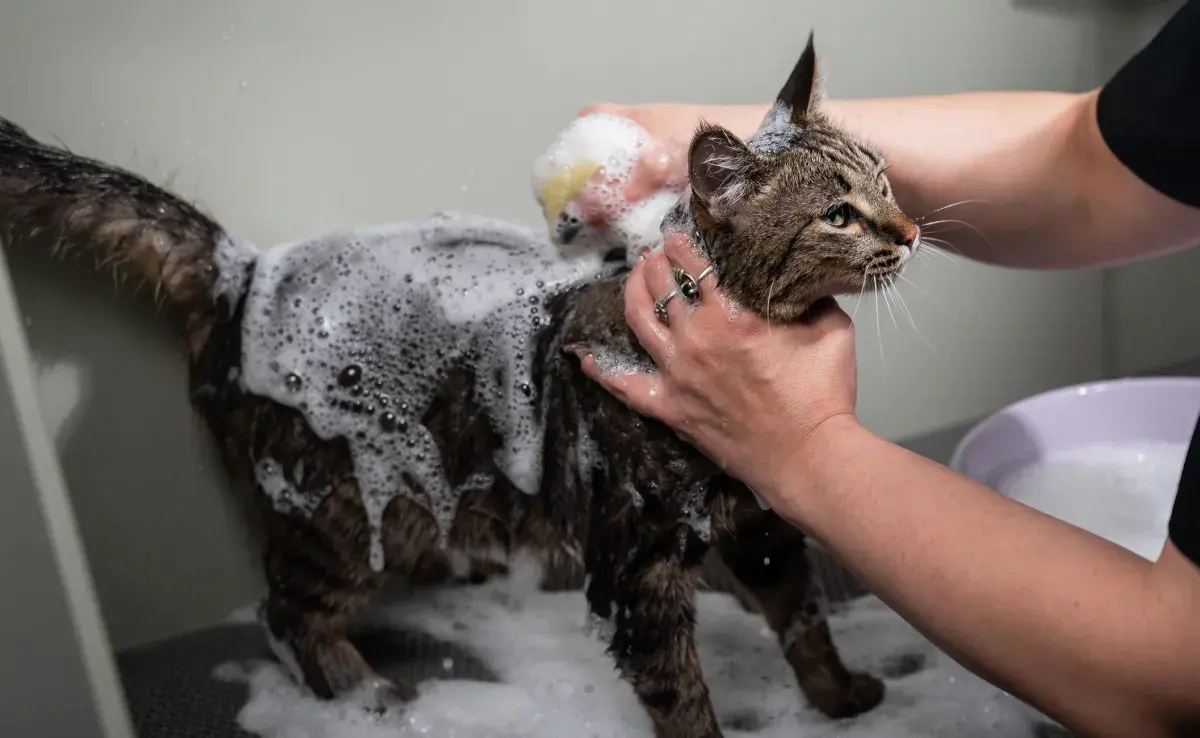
722, 169
801, 91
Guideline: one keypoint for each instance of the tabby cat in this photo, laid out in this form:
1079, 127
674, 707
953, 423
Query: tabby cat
398, 397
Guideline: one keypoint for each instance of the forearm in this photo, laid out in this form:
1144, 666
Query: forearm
1081, 627
1040, 186
1007, 157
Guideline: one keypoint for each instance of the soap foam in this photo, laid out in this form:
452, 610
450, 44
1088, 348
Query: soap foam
556, 679
605, 148
357, 331
1122, 493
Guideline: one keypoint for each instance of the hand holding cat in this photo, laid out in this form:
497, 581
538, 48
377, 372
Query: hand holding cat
747, 393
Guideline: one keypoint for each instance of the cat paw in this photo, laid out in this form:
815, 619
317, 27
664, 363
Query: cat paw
862, 694
389, 698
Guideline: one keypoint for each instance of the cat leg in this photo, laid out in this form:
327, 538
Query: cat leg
318, 578
654, 644
768, 556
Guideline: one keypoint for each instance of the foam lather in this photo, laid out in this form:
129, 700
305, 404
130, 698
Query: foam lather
357, 331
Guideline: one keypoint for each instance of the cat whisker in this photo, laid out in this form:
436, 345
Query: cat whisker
951, 205
878, 325
861, 291
888, 303
911, 320
941, 245
917, 287
968, 225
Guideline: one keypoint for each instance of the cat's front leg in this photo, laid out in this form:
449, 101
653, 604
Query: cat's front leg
654, 644
770, 560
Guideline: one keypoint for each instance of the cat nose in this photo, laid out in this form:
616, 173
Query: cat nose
910, 235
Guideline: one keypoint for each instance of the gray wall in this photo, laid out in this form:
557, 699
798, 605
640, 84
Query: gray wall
288, 119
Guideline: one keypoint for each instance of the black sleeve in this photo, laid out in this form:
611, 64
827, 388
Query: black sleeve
1149, 112
1149, 115
1184, 529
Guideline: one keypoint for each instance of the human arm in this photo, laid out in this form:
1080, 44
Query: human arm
1102, 640
1096, 637
1039, 183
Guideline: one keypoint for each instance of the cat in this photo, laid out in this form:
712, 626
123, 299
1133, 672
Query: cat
404, 398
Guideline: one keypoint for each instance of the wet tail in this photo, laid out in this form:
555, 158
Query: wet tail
78, 206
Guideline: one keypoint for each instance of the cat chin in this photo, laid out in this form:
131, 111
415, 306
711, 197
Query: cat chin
873, 282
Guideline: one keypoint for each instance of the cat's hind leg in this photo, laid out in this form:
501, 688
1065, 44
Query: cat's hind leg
318, 578
769, 558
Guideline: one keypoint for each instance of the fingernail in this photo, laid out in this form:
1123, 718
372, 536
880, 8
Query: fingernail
587, 364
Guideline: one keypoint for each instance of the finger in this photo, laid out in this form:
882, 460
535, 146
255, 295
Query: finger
655, 169
639, 314
661, 282
681, 252
641, 391
713, 307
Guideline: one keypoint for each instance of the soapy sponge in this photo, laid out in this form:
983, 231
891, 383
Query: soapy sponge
581, 182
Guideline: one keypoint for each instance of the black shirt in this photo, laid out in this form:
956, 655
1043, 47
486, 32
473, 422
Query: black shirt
1149, 115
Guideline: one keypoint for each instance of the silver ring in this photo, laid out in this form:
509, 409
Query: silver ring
660, 307
689, 286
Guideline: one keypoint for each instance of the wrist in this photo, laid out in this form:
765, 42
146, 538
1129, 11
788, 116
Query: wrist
793, 485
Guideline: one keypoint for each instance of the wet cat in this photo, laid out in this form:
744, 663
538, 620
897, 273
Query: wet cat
385, 391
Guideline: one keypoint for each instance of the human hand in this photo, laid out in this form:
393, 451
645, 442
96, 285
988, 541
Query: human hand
662, 164
750, 395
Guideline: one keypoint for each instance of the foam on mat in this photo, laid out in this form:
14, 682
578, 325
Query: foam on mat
555, 678
1122, 493
557, 681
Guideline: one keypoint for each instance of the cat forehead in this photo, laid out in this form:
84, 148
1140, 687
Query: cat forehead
819, 171
835, 156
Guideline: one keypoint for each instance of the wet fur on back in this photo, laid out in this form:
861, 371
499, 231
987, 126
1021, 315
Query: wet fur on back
797, 212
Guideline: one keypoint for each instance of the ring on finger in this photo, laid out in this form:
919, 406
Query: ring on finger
660, 307
689, 286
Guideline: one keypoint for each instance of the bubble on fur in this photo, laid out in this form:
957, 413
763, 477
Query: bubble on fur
358, 331
282, 493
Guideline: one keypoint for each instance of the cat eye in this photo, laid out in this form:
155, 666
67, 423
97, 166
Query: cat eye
841, 215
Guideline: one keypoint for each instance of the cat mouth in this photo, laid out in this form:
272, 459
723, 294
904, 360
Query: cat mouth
886, 267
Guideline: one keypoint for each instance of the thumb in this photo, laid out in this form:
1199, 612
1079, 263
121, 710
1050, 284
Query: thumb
826, 314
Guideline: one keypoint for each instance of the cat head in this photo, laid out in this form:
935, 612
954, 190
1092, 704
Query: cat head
798, 212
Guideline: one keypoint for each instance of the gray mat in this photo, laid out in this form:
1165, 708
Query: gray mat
172, 693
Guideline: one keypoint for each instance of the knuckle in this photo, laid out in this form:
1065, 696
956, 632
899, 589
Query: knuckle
682, 251
658, 259
668, 413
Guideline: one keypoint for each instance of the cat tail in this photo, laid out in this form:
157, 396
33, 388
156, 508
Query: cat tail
73, 205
